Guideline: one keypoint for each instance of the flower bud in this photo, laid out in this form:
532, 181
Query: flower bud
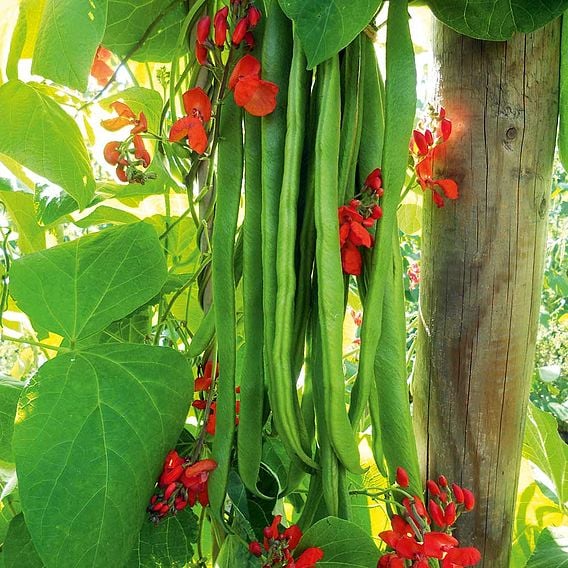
249, 40
200, 53
111, 152
220, 25
255, 548
401, 477
437, 514
420, 142
450, 514
240, 31
203, 27
433, 488
468, 499
429, 137
169, 490
253, 16
458, 492
442, 481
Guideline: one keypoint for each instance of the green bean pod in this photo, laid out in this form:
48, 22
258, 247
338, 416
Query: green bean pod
400, 98
329, 271
396, 432
284, 398
351, 117
228, 187
203, 337
377, 438
249, 439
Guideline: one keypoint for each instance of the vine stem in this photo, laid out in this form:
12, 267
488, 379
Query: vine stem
34, 343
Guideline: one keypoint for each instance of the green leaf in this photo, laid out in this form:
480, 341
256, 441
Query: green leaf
9, 394
103, 215
139, 100
92, 431
344, 544
325, 27
36, 132
51, 204
544, 447
167, 545
563, 106
69, 34
128, 21
551, 549
496, 20
20, 208
18, 550
233, 553
78, 288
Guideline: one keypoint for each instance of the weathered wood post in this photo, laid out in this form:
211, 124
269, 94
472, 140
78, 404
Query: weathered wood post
482, 270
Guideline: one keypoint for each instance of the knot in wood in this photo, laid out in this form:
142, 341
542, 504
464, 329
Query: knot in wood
511, 133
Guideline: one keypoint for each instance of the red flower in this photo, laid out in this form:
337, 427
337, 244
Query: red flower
450, 515
198, 108
220, 24
255, 548
173, 469
204, 382
256, 96
308, 558
111, 153
424, 171
437, 514
437, 543
374, 181
126, 117
401, 477
100, 69
351, 259
195, 478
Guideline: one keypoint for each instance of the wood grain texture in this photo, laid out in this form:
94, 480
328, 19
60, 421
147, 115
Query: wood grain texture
482, 271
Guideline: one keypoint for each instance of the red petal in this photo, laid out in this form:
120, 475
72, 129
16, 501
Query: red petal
202, 466
420, 141
450, 514
115, 123
402, 477
240, 31
445, 128
343, 233
436, 543
359, 236
450, 189
196, 136
390, 537
141, 124
202, 384
424, 168
101, 71
196, 100
348, 214
140, 151
121, 174
309, 557
179, 129
122, 109
469, 556
429, 137
351, 259
400, 526
263, 101
293, 534
407, 547
245, 67
253, 16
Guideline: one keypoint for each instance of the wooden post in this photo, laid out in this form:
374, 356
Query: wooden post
482, 271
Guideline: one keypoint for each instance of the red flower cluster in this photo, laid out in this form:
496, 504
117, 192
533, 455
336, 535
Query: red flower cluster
412, 539
198, 112
355, 218
425, 148
100, 69
118, 153
203, 384
277, 548
246, 17
180, 484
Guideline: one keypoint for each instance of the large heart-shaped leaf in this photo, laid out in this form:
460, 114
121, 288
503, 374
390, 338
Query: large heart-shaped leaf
325, 27
344, 544
168, 544
92, 431
496, 20
36, 132
80, 287
128, 21
69, 34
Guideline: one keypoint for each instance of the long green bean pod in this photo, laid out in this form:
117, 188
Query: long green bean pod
228, 187
399, 446
351, 116
400, 97
249, 439
284, 398
329, 271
